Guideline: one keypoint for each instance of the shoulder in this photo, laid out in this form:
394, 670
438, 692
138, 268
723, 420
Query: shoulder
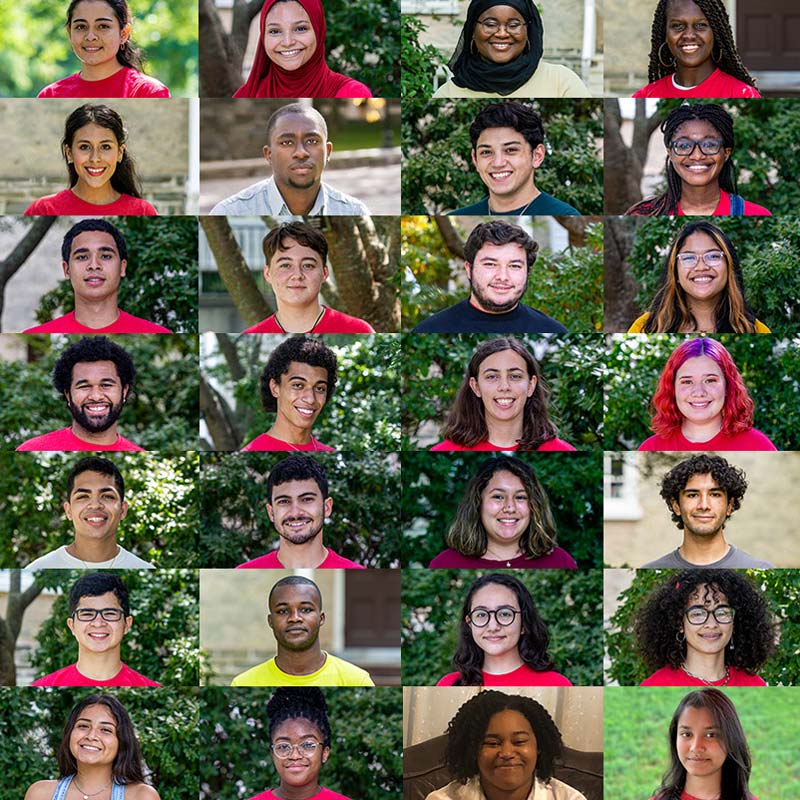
547, 205
481, 207
329, 794
730, 86
347, 674
61, 677
638, 324
761, 327
259, 675
560, 558
740, 677
448, 680
654, 89
555, 444
128, 323
346, 204
47, 206
668, 561
122, 444
135, 206
267, 561
755, 210
137, 84
130, 677
541, 322
41, 790
55, 559
654, 442
449, 89
754, 440
444, 320
335, 561
446, 445
335, 321
353, 88
128, 560
661, 677
140, 791
267, 325
65, 87
450, 558
248, 200
554, 80
55, 440
563, 791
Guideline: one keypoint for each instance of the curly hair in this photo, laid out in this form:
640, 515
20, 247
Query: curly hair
533, 640
297, 467
127, 55
671, 312
300, 232
499, 232
93, 225
729, 478
509, 114
468, 727
659, 622
467, 534
466, 423
89, 350
303, 350
299, 703
737, 412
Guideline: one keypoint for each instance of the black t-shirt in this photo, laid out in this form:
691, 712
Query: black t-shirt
463, 317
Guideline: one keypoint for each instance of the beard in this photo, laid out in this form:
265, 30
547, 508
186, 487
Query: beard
490, 305
95, 424
298, 538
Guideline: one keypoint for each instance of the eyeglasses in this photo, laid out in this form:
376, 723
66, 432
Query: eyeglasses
685, 147
491, 26
713, 258
505, 615
697, 615
90, 614
284, 749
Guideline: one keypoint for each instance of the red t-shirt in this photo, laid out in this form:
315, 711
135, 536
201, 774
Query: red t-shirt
723, 208
69, 676
552, 445
267, 442
749, 440
125, 82
667, 676
65, 439
452, 559
66, 203
270, 561
126, 323
521, 676
322, 794
332, 321
717, 84
686, 796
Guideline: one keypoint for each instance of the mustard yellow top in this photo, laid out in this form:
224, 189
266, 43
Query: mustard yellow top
638, 325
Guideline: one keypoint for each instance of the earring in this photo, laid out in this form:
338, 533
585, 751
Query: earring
661, 58
472, 48
528, 46
680, 637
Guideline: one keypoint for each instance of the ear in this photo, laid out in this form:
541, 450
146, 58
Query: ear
122, 267
121, 153
269, 513
125, 34
729, 510
676, 509
727, 152
274, 388
126, 390
327, 506
68, 153
267, 150
269, 621
324, 272
128, 623
468, 270
123, 510
538, 155
68, 510
473, 384
321, 618
532, 386
70, 625
65, 268
474, 159
326, 751
266, 274
328, 150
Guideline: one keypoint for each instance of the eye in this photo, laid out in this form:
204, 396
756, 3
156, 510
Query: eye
301, 29
321, 389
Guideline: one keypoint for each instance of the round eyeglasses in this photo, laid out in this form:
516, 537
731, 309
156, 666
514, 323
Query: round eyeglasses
491, 26
90, 614
713, 258
504, 615
284, 749
697, 615
685, 147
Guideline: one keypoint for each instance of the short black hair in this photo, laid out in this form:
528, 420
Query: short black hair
297, 467
90, 349
499, 232
294, 702
301, 232
510, 114
96, 583
293, 580
729, 478
96, 464
295, 108
303, 350
93, 225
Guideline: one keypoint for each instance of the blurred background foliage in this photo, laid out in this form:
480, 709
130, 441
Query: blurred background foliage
573, 365
32, 721
366, 743
364, 525
419, 61
770, 367
434, 483
35, 49
161, 490
570, 602
781, 588
161, 413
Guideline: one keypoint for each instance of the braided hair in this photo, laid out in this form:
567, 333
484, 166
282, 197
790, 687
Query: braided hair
728, 60
299, 703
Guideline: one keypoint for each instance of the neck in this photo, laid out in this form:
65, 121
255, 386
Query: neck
301, 662
700, 200
299, 320
93, 778
475, 303
308, 555
704, 787
300, 201
101, 196
494, 793
501, 551
97, 72
504, 433
95, 551
701, 550
692, 76
709, 666
97, 314
503, 204
99, 666
502, 663
704, 312
286, 792
701, 431
286, 432
108, 436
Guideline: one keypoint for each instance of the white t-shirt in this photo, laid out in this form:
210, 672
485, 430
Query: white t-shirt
471, 790
61, 559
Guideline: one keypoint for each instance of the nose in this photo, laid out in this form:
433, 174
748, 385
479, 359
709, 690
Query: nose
287, 36
300, 150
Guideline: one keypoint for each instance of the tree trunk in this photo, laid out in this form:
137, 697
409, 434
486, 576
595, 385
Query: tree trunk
576, 228
219, 418
451, 239
619, 287
18, 602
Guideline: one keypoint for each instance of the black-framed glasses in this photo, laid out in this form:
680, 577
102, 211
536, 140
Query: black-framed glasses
685, 147
284, 749
490, 26
90, 614
713, 258
480, 616
697, 615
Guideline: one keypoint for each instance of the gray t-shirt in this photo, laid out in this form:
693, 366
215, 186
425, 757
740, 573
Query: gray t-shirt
733, 559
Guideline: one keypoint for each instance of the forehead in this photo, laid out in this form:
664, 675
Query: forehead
97, 713
107, 600
493, 596
299, 369
692, 717
706, 595
506, 252
296, 488
92, 10
702, 481
699, 242
94, 133
699, 365
496, 137
684, 9
505, 359
92, 480
288, 12
295, 593
506, 481
297, 728
93, 240
696, 129
501, 12
295, 123
95, 371
508, 721
291, 248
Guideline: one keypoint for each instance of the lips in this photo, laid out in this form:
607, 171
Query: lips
297, 523
95, 172
306, 413
95, 518
96, 409
290, 53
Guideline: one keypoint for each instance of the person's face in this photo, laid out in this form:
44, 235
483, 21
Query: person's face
505, 161
95, 154
93, 739
298, 770
496, 639
500, 34
498, 276
289, 38
298, 511
297, 152
699, 743
703, 505
94, 268
689, 35
505, 509
700, 390
698, 169
95, 34
301, 394
710, 637
99, 636
295, 616
702, 282
508, 752
94, 507
503, 385
96, 395
296, 274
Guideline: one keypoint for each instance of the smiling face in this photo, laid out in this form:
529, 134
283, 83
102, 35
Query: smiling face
698, 169
500, 34
702, 282
712, 636
94, 268
699, 743
298, 510
99, 636
297, 152
296, 274
703, 506
505, 509
289, 38
297, 770
700, 390
95, 154
295, 616
301, 394
504, 386
94, 507
505, 161
95, 34
689, 35
93, 739
496, 639
497, 277
507, 757
96, 395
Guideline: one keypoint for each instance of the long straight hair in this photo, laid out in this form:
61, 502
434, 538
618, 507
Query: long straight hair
128, 55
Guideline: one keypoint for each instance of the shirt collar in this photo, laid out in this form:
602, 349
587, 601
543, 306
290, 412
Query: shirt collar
278, 207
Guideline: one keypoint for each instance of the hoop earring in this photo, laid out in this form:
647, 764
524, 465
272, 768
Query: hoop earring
472, 49
661, 59
527, 45
680, 637
717, 59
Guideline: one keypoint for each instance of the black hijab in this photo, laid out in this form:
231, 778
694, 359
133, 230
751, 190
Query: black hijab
470, 71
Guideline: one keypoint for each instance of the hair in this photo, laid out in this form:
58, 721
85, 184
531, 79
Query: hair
468, 727
93, 225
88, 350
299, 703
659, 622
533, 640
293, 580
127, 765
128, 55
303, 350
737, 412
93, 584
301, 232
297, 467
735, 769
510, 114
295, 108
466, 423
714, 11
729, 478
124, 180
499, 232
467, 534
100, 465
715, 115
670, 311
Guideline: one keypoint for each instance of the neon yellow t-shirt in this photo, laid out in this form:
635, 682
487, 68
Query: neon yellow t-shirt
334, 672
638, 325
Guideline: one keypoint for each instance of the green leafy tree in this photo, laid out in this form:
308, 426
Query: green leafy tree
419, 61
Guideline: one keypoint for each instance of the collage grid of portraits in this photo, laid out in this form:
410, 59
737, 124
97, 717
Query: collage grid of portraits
394, 311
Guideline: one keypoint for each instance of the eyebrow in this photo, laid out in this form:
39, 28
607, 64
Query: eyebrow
309, 493
97, 19
502, 144
102, 721
109, 488
303, 378
104, 248
102, 141
306, 257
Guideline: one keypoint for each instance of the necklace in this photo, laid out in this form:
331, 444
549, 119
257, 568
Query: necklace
492, 557
310, 330
725, 678
87, 795
314, 446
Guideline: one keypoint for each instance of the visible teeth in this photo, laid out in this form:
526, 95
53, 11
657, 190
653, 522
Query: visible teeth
306, 412
504, 402
500, 175
498, 46
702, 279
289, 53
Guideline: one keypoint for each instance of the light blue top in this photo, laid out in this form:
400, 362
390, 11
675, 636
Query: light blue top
117, 789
